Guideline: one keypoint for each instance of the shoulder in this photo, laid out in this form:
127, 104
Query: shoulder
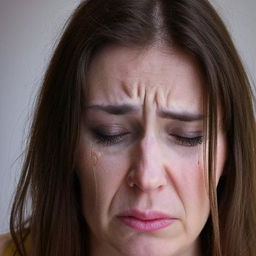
7, 245
5, 242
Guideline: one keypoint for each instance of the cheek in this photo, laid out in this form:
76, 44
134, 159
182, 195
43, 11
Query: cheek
193, 182
100, 176
186, 167
190, 183
195, 198
86, 163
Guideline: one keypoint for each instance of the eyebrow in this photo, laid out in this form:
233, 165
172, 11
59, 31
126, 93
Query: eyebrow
132, 109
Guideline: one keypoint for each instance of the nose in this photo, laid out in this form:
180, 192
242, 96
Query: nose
147, 171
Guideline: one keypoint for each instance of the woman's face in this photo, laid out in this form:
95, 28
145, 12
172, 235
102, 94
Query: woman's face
140, 157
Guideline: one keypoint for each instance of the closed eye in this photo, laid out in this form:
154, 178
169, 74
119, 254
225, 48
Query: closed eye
188, 141
108, 140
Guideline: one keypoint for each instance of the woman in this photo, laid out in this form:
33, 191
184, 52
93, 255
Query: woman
143, 138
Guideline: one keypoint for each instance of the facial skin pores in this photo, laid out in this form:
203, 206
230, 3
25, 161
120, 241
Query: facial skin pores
140, 155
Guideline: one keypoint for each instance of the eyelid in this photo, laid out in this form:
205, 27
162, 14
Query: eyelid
111, 129
187, 135
107, 139
185, 131
188, 141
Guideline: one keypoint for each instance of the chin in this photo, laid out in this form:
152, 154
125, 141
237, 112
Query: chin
148, 246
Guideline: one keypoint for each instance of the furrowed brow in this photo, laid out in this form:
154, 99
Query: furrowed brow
132, 109
116, 109
181, 116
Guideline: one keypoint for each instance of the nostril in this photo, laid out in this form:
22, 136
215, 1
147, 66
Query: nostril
131, 184
131, 178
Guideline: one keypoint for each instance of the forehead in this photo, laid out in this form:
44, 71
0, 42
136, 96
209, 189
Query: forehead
168, 78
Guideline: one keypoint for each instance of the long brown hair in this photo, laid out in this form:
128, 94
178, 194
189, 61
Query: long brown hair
49, 185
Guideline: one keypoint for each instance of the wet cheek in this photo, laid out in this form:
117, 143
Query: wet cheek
86, 164
190, 182
100, 177
192, 176
196, 200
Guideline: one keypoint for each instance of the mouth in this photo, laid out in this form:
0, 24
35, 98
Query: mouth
146, 220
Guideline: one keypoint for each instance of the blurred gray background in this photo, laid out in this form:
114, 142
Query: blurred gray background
28, 31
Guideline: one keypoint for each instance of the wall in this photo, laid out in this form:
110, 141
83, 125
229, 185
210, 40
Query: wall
28, 32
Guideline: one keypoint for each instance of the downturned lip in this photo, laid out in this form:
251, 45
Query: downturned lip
145, 215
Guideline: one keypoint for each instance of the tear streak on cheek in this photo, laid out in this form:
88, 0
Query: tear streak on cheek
95, 157
94, 160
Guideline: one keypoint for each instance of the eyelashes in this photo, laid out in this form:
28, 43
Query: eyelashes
113, 139
109, 140
108, 137
189, 141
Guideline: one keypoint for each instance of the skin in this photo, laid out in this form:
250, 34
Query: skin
167, 174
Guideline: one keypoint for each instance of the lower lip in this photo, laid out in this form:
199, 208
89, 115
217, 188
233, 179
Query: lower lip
146, 225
